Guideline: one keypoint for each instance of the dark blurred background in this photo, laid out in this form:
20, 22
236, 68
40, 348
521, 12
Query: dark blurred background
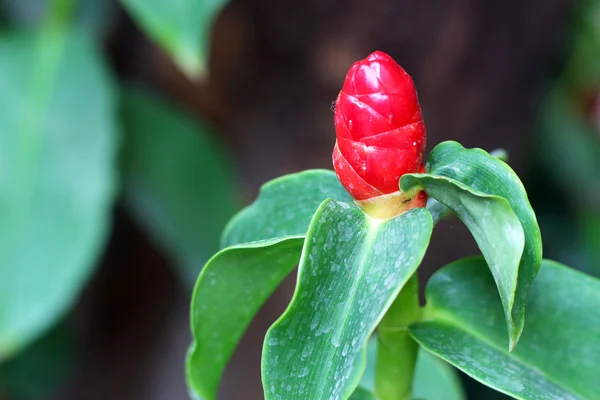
489, 74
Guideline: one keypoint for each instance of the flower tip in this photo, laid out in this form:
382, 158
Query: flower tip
378, 55
379, 128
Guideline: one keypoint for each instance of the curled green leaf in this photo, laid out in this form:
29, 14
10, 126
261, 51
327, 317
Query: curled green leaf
486, 194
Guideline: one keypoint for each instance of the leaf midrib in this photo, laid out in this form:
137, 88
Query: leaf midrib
368, 243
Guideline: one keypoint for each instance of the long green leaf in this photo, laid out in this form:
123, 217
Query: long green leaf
489, 198
239, 279
181, 27
352, 268
57, 176
557, 356
178, 181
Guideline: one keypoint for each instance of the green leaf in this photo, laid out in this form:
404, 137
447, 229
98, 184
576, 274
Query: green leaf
434, 378
557, 356
238, 280
178, 182
181, 27
284, 207
232, 287
486, 194
352, 269
495, 227
57, 176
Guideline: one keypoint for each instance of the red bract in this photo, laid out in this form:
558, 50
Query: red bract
379, 128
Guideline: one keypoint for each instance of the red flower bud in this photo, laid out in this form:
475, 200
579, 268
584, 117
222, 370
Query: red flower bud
379, 129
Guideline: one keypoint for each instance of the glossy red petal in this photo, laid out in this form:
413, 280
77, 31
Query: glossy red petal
384, 167
354, 184
379, 126
409, 137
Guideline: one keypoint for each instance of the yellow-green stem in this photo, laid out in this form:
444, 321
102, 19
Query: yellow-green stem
397, 350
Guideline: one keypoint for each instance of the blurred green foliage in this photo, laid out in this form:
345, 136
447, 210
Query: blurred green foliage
93, 16
60, 174
177, 180
568, 143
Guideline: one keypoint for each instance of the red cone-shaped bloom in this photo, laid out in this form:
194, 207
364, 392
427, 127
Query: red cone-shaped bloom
379, 128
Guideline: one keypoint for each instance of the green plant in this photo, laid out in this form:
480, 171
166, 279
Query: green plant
73, 143
358, 256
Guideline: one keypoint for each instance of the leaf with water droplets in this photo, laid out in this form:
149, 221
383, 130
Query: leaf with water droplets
557, 356
316, 349
265, 240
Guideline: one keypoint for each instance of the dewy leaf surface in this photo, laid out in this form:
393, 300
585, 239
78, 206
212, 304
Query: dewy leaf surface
352, 268
489, 198
264, 243
58, 148
557, 356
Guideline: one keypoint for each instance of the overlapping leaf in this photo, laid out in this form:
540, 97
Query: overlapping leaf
284, 207
557, 356
265, 241
486, 194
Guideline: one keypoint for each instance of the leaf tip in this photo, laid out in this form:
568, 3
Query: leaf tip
513, 337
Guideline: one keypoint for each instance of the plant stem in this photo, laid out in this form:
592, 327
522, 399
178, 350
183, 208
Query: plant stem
397, 350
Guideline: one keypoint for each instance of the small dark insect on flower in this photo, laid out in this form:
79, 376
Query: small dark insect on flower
332, 106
